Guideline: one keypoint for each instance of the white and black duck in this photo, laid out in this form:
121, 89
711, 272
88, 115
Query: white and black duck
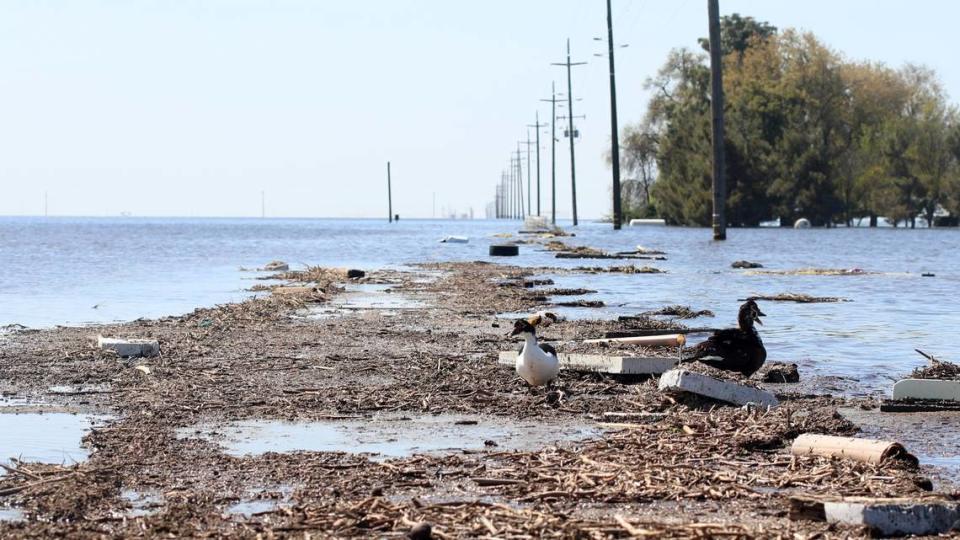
537, 363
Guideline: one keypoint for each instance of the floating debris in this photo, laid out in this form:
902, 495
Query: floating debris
275, 266
746, 264
794, 297
566, 292
565, 251
778, 372
618, 270
938, 369
679, 312
581, 303
813, 272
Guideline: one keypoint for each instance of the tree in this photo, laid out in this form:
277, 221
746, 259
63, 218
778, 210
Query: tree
808, 134
639, 161
737, 34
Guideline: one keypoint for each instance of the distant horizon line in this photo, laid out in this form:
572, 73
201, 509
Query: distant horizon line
261, 218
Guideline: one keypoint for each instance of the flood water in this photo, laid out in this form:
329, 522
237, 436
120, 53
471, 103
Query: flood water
387, 436
44, 437
90, 270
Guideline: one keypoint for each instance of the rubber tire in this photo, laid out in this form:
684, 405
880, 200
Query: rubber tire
504, 250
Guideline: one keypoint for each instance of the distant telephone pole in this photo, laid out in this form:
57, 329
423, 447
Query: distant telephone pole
530, 143
553, 152
537, 125
716, 106
520, 180
571, 132
389, 196
614, 138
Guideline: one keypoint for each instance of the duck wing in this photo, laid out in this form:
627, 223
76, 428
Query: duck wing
547, 348
718, 345
731, 350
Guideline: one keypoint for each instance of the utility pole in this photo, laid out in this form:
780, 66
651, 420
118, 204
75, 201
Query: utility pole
529, 190
614, 138
553, 152
572, 133
530, 143
389, 196
537, 125
716, 106
513, 189
520, 181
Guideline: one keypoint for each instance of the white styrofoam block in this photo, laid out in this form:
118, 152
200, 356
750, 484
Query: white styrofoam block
731, 392
130, 347
895, 517
927, 389
641, 222
599, 363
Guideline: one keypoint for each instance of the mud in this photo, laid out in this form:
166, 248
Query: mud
160, 465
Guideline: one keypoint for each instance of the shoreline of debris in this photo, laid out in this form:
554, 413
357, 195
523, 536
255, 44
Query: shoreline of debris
304, 355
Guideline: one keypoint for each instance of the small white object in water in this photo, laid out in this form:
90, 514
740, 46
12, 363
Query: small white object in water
455, 240
640, 222
802, 223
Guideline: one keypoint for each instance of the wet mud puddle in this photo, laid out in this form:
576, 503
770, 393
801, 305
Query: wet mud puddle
52, 437
11, 514
261, 501
364, 297
388, 437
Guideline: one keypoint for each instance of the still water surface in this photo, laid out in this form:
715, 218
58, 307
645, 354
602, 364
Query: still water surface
92, 270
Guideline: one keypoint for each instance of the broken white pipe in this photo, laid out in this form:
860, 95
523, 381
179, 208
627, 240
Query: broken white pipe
672, 340
870, 451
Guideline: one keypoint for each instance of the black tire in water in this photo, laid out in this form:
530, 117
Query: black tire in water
504, 251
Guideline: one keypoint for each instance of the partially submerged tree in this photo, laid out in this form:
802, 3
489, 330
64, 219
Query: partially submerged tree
808, 134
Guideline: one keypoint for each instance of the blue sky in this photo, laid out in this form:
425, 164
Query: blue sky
191, 108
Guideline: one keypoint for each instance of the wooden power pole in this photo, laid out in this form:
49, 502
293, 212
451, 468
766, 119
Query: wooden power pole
571, 132
614, 137
716, 106
553, 152
537, 125
389, 196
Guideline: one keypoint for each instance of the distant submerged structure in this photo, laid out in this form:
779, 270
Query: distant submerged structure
802, 223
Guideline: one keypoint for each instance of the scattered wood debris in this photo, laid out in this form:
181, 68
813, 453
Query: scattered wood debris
679, 312
795, 297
